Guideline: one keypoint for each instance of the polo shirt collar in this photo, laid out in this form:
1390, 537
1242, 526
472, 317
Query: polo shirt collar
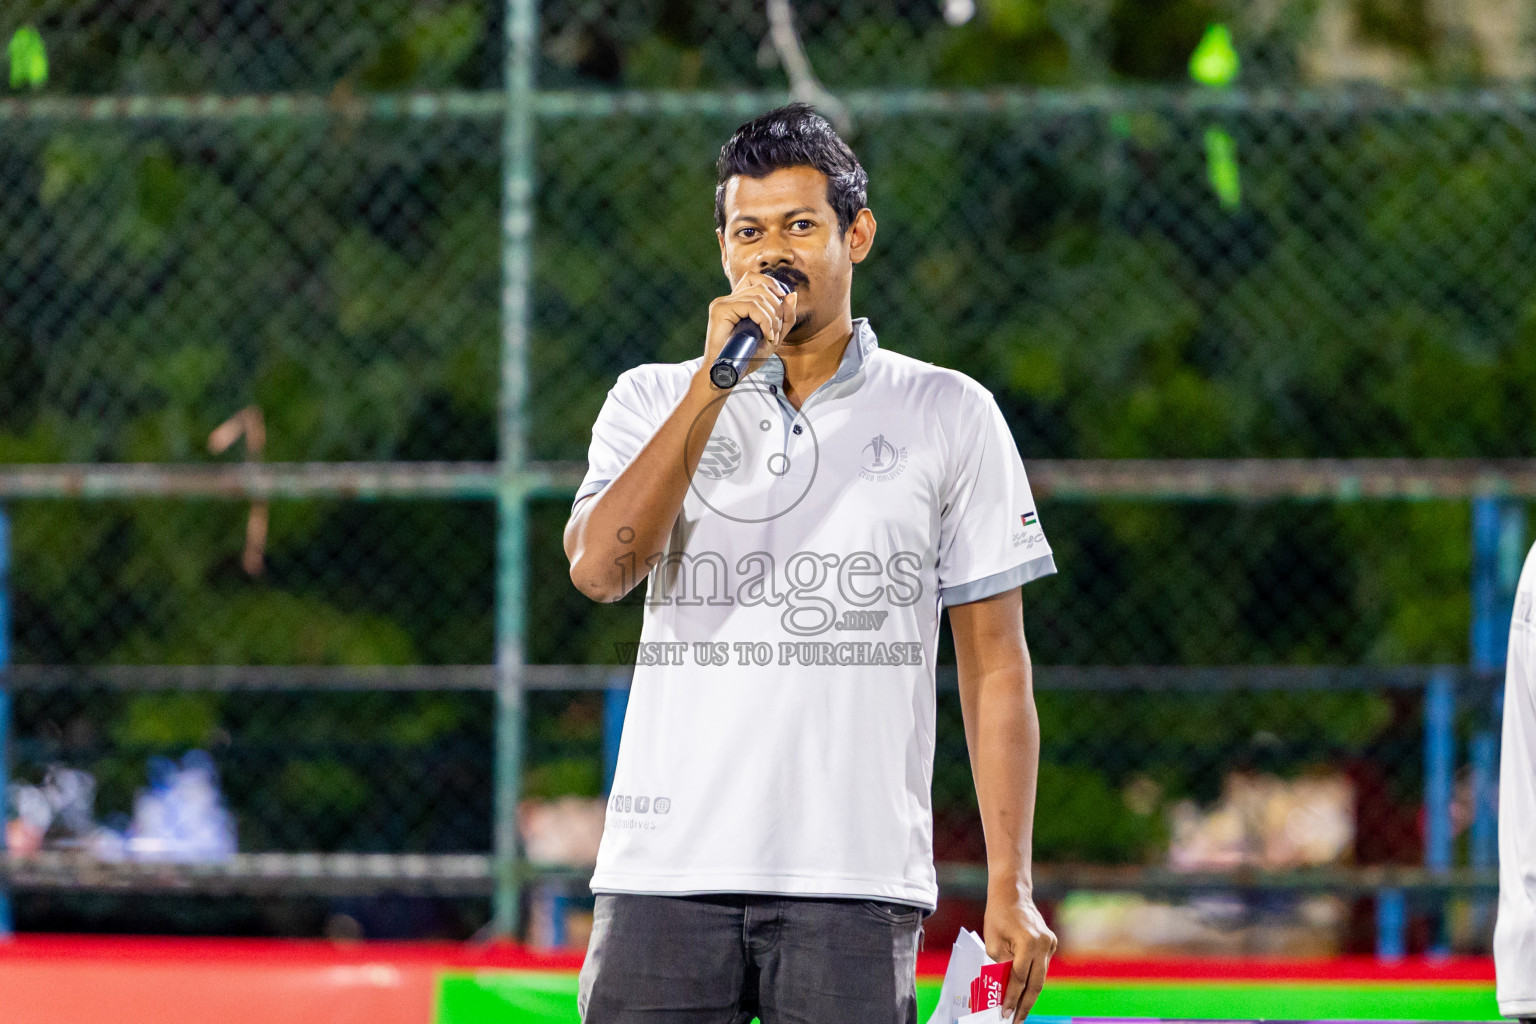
857, 351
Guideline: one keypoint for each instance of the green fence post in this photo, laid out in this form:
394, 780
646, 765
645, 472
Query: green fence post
512, 495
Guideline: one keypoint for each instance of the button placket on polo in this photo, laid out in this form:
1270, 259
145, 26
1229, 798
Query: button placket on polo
773, 373
787, 414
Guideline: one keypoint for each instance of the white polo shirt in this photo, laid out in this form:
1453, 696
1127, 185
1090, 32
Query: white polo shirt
1514, 936
780, 731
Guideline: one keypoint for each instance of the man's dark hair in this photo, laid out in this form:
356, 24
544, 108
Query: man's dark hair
794, 136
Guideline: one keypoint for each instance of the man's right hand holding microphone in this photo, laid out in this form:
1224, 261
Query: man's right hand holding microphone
764, 299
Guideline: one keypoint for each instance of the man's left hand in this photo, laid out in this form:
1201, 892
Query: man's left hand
1014, 930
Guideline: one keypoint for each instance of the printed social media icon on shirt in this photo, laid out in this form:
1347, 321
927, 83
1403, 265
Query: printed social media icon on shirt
642, 804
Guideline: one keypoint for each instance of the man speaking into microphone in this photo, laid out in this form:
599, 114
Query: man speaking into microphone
802, 517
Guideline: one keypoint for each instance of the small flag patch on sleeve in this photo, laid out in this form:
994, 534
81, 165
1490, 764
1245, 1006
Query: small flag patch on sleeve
1028, 519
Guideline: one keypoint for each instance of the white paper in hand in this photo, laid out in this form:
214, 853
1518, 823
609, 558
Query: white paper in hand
992, 1016
966, 960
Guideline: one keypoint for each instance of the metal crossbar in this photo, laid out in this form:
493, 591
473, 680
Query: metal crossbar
1324, 480
488, 104
474, 875
1055, 880
259, 873
405, 678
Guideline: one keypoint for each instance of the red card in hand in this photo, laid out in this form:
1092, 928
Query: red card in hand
987, 989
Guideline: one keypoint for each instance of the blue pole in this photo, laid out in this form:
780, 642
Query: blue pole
1485, 800
1439, 781
1498, 552
615, 704
1439, 761
1485, 581
1391, 925
5, 703
557, 905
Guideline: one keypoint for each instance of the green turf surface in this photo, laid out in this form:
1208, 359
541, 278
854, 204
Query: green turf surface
1294, 1000
514, 997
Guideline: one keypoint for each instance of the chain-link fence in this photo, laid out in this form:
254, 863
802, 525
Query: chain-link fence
304, 209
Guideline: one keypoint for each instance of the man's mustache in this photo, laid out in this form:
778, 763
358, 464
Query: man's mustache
791, 275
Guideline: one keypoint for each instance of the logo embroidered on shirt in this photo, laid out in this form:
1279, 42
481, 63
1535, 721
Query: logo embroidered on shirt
721, 458
881, 460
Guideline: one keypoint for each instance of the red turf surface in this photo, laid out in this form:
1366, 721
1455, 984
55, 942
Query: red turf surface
60, 979
298, 952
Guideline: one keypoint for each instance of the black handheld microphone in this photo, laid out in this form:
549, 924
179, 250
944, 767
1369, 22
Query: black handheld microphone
741, 346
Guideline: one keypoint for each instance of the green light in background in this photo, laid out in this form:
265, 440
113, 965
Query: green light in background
1221, 168
1214, 62
29, 59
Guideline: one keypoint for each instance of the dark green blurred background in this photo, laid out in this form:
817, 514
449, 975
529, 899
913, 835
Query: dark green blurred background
1370, 295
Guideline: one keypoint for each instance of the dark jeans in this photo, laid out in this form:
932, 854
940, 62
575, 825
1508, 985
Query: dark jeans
727, 959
